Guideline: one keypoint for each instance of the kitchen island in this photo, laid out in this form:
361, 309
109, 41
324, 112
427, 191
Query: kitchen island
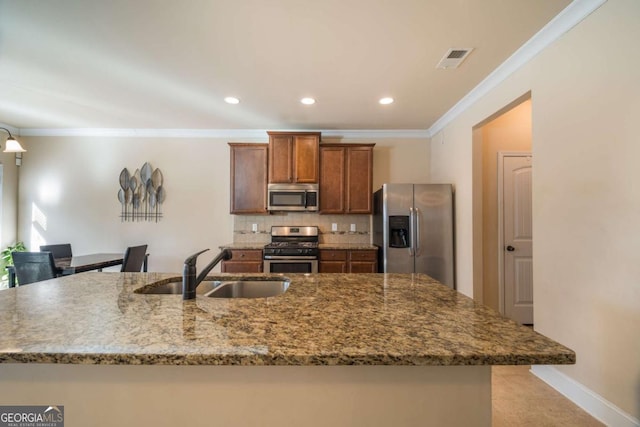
335, 349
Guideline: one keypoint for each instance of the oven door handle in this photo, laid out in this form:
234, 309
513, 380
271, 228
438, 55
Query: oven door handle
289, 258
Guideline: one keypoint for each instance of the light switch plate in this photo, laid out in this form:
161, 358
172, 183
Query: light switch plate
254, 228
334, 227
353, 228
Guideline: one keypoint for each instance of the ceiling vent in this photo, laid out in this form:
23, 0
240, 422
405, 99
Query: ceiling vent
453, 58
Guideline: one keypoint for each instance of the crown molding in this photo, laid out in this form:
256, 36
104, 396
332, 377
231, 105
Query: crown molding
217, 133
12, 129
379, 133
571, 16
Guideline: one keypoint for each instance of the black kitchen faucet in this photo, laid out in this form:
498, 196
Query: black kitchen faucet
189, 280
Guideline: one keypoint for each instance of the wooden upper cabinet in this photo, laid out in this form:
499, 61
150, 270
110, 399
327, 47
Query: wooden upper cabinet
280, 158
294, 157
306, 158
359, 185
332, 179
248, 178
346, 178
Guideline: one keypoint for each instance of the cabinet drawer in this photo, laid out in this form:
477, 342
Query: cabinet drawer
333, 255
364, 255
246, 255
241, 267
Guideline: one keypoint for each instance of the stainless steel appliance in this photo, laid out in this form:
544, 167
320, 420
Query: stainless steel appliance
292, 197
413, 226
292, 250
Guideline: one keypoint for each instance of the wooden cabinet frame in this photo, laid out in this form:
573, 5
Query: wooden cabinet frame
346, 178
248, 178
294, 157
348, 261
243, 261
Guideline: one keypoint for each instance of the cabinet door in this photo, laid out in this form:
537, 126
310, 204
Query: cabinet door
305, 158
332, 267
363, 261
332, 180
359, 180
243, 261
248, 178
280, 158
332, 261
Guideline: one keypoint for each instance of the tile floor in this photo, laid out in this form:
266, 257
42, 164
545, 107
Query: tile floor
519, 398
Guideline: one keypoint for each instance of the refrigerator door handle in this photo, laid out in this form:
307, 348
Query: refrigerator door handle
411, 234
417, 240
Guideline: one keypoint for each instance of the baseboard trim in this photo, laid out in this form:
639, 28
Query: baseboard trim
591, 402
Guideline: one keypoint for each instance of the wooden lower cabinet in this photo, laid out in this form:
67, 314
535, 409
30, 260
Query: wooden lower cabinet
348, 261
332, 261
243, 261
363, 261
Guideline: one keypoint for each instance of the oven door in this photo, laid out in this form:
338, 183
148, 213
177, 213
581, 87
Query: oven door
291, 265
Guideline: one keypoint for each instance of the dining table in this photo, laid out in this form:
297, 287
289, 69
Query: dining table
82, 263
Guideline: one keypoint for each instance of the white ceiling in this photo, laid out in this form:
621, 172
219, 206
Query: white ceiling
167, 64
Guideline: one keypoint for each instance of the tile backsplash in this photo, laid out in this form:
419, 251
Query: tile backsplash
243, 227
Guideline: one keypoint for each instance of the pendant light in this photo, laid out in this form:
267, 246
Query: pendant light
12, 145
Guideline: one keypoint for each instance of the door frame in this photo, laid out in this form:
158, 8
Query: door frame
500, 248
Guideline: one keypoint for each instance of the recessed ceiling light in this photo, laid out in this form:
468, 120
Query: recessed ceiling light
231, 100
386, 101
308, 101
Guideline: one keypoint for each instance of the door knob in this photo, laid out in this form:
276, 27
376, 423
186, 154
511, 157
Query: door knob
510, 248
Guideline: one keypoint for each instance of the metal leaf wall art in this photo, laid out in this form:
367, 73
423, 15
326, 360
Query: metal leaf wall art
141, 194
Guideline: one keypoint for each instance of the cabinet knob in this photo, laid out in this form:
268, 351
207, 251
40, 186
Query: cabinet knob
510, 248
241, 255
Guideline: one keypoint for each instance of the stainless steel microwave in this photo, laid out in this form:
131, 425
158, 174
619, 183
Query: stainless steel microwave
292, 197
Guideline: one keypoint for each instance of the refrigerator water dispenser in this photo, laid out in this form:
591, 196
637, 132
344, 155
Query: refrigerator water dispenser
399, 231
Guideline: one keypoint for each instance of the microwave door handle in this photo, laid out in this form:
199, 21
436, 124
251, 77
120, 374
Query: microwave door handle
305, 199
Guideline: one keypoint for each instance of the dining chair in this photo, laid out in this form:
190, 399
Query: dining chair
58, 251
33, 267
134, 258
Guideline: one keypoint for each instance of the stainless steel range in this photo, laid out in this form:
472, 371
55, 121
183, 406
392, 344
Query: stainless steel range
292, 250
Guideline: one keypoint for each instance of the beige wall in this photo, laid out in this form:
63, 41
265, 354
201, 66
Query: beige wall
8, 193
586, 201
73, 182
510, 131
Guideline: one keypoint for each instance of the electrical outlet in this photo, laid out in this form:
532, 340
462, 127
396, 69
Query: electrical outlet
352, 228
254, 228
334, 227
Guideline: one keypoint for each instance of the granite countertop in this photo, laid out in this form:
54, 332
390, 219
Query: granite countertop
353, 246
241, 246
323, 319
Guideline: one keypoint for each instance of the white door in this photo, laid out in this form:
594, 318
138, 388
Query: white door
517, 251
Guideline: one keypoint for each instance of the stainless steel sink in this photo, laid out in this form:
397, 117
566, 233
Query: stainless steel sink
254, 287
249, 289
174, 288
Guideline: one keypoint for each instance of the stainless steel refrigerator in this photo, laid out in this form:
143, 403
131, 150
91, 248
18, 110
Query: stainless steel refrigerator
413, 228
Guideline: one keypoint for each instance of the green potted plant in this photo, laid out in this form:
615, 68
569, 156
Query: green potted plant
7, 258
